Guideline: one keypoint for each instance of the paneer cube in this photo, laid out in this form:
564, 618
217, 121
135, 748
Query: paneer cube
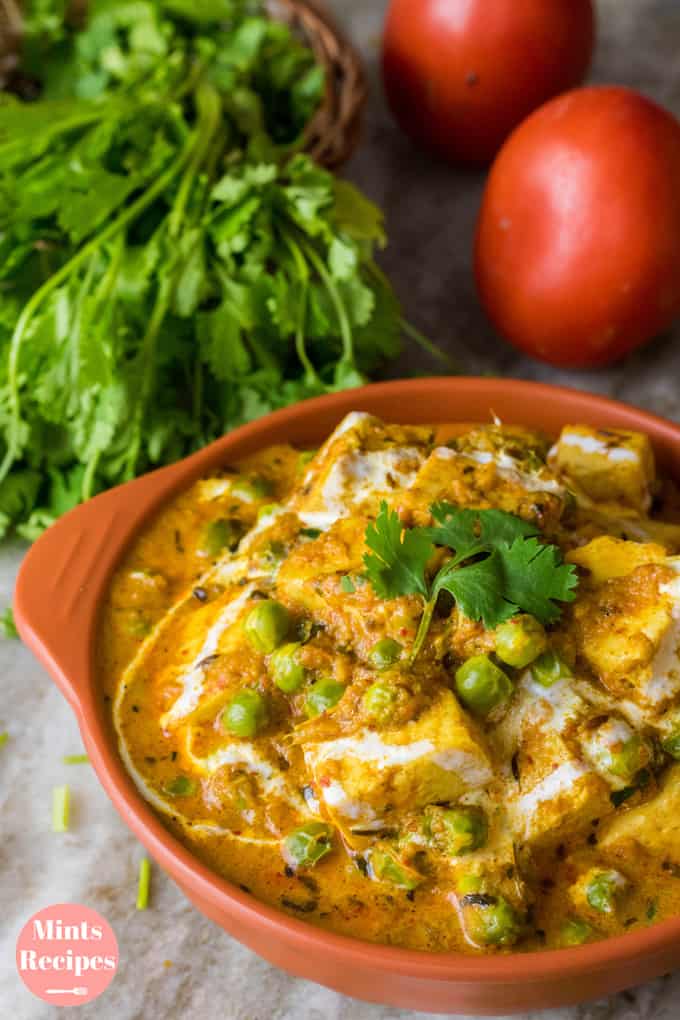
607, 557
564, 802
363, 462
361, 779
654, 824
557, 792
609, 466
628, 633
491, 467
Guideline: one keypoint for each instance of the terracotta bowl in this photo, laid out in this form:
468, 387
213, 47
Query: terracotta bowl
58, 594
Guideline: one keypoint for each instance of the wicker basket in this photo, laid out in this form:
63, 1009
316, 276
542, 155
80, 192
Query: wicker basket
332, 134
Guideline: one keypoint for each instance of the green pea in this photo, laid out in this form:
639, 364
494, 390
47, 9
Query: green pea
629, 758
251, 490
286, 670
575, 932
482, 685
470, 883
385, 867
304, 847
224, 533
549, 668
180, 786
671, 744
379, 702
491, 920
304, 458
266, 625
138, 625
267, 510
520, 640
245, 714
274, 554
323, 694
602, 889
385, 653
457, 830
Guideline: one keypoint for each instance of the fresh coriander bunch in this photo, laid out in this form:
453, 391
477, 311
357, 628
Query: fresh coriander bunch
171, 264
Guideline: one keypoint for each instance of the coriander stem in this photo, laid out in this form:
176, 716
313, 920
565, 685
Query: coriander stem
413, 333
423, 627
208, 108
431, 603
427, 345
60, 808
311, 375
147, 347
88, 476
334, 294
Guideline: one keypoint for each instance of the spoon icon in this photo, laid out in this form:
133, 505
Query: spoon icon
66, 991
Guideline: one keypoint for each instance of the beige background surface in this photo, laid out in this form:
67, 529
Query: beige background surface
431, 212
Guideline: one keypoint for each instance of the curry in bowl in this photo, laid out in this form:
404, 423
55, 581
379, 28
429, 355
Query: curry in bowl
419, 689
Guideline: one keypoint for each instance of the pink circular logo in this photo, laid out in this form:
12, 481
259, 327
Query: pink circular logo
67, 954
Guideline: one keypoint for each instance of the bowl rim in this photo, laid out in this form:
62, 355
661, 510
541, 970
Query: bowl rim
150, 492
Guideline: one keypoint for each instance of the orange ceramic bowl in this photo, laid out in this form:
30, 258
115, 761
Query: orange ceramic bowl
57, 598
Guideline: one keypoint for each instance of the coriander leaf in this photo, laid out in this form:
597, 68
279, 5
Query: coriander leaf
342, 259
202, 11
35, 525
191, 281
346, 376
358, 299
18, 493
535, 576
479, 590
399, 556
462, 529
356, 214
222, 347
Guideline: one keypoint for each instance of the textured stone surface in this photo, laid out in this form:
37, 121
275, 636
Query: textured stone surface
431, 212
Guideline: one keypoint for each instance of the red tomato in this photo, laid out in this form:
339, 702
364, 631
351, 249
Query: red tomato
461, 74
578, 242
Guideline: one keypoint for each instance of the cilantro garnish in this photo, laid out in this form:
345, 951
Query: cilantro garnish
498, 566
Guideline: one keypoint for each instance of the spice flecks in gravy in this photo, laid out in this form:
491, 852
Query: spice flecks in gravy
267, 704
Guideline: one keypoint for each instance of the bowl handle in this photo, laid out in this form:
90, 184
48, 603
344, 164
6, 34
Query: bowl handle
65, 571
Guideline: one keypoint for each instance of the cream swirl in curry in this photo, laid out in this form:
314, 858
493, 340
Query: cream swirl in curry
419, 686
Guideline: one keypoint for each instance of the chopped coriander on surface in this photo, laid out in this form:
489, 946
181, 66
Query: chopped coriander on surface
143, 884
75, 759
4, 737
61, 802
498, 566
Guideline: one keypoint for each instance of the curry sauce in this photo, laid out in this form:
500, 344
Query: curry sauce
438, 783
